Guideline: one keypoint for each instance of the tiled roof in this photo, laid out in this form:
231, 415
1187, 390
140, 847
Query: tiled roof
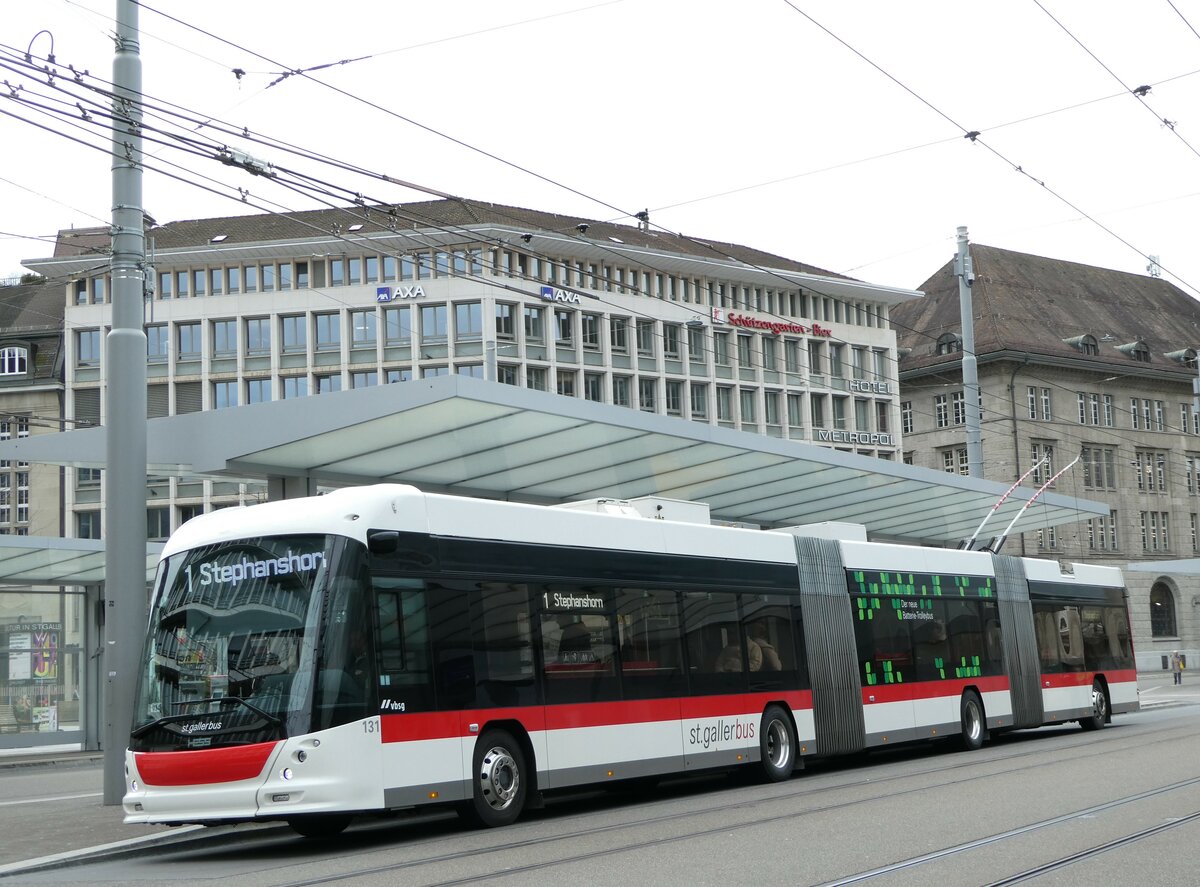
1031, 304
451, 214
33, 313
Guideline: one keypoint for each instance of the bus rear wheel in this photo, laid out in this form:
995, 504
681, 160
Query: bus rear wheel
974, 724
1099, 716
777, 743
500, 783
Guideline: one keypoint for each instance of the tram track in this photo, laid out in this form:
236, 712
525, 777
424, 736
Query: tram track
888, 783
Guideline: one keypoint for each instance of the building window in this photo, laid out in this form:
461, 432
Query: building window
1150, 470
795, 410
158, 523
564, 383
593, 386
618, 331
589, 334
699, 400
294, 334
258, 335
645, 337
958, 403
508, 374
1162, 611
258, 390
505, 320
954, 461
745, 345
327, 383
1155, 531
158, 343
721, 349
397, 325
535, 324
673, 397
1099, 467
224, 338
696, 344
396, 374
1042, 455
327, 331
746, 404
188, 335
906, 417
941, 411
468, 321
224, 395
14, 360
1102, 532
948, 343
620, 389
1108, 410
364, 379
364, 328
1047, 538
647, 391
87, 524
433, 324
724, 403
671, 341
294, 386
87, 348
535, 378
564, 328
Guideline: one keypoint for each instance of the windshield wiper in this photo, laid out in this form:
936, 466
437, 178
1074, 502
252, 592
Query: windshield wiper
141, 731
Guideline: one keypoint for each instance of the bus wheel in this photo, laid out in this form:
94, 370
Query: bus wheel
777, 742
322, 826
500, 783
1099, 709
974, 725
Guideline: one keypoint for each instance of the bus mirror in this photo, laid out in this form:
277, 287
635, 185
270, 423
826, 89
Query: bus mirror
383, 541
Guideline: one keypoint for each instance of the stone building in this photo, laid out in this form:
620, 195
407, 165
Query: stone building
1073, 361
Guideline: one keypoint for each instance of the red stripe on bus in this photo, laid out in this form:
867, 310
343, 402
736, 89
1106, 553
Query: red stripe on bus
1085, 678
448, 725
931, 689
203, 767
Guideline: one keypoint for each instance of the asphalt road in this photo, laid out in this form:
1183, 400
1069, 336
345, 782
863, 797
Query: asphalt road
1051, 806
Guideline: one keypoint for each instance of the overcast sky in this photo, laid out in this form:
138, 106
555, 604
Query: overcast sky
827, 131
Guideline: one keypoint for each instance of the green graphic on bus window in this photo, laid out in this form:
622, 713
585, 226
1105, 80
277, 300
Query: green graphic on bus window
968, 668
869, 582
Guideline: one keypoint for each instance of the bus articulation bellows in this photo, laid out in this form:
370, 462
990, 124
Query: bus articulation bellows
378, 649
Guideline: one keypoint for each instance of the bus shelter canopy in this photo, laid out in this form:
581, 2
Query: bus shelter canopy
466, 436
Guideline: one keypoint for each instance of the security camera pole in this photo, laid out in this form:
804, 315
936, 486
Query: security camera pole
970, 375
125, 419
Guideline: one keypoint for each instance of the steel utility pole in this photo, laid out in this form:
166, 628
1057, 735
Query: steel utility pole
125, 419
970, 374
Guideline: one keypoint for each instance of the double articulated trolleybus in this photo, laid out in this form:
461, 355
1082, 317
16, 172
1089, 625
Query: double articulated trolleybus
378, 649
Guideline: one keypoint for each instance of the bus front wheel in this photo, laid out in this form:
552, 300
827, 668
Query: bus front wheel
974, 724
777, 742
500, 781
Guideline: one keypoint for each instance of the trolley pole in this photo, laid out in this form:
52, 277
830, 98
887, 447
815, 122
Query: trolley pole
125, 420
970, 375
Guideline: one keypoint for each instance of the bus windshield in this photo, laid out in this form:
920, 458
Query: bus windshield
231, 652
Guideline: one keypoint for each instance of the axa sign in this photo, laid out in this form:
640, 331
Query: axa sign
392, 293
553, 294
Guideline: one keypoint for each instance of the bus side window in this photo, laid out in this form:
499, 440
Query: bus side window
504, 645
649, 633
768, 627
717, 661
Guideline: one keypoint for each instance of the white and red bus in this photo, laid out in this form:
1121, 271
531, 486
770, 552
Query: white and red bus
378, 649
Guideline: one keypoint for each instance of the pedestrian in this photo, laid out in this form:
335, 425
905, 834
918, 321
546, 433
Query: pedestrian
1177, 667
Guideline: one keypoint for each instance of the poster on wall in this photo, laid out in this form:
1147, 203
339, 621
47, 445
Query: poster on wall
33, 651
